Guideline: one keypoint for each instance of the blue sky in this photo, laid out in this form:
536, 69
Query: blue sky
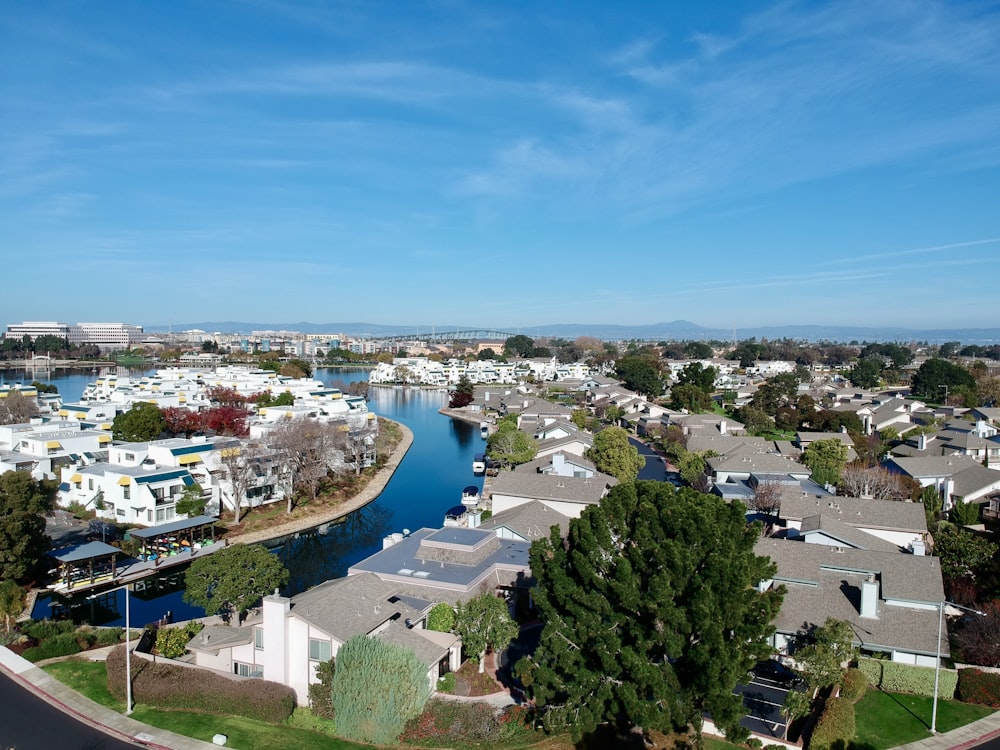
501, 164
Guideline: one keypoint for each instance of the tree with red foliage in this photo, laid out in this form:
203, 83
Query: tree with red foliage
225, 420
225, 396
181, 421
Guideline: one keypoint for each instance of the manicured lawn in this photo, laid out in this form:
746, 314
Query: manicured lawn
886, 720
90, 679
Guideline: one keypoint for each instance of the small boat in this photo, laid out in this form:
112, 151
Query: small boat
484, 430
470, 496
456, 516
479, 464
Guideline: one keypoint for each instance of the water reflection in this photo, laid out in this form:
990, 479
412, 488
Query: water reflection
464, 432
327, 551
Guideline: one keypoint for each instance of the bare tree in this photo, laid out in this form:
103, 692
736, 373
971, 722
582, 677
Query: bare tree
358, 444
872, 482
242, 464
16, 408
307, 450
766, 500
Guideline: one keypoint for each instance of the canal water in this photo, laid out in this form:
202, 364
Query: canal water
429, 480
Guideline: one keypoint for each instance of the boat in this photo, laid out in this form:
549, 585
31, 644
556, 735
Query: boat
479, 464
456, 516
470, 496
484, 430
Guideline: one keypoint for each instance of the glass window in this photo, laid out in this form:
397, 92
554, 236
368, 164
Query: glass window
258, 638
319, 650
243, 670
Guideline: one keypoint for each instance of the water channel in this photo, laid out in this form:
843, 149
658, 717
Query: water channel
428, 482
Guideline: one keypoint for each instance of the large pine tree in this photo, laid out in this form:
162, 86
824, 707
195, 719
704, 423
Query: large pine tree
651, 613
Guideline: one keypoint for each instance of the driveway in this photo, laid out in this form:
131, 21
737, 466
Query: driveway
655, 467
764, 698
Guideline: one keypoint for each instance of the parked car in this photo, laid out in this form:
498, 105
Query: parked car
778, 672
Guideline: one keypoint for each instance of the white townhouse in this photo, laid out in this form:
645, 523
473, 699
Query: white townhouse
292, 636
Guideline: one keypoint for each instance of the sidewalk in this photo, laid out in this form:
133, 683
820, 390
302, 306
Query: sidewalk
977, 732
69, 701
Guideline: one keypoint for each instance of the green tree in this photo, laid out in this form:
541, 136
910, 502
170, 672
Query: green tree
296, 368
937, 378
931, 499
825, 652
519, 346
190, 503
867, 373
755, 420
776, 392
691, 397
747, 353
484, 623
613, 454
233, 580
691, 465
963, 554
441, 618
463, 395
651, 612
641, 373
698, 375
24, 502
143, 422
510, 446
11, 603
321, 693
698, 350
377, 687
826, 460
964, 514
580, 417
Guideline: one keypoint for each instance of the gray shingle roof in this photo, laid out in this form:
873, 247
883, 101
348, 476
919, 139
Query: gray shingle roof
550, 487
849, 536
858, 512
823, 582
531, 521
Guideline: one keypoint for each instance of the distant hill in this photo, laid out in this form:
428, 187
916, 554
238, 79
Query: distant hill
674, 330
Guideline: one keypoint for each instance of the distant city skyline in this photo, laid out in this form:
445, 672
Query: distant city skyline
739, 166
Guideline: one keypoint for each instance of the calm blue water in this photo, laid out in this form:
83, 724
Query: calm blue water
428, 482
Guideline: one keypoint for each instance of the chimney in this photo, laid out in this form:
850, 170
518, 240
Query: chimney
922, 442
275, 625
869, 597
723, 427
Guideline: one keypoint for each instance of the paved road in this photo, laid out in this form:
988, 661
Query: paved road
29, 723
654, 468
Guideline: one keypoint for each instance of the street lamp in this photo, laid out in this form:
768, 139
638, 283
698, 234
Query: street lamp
128, 648
937, 665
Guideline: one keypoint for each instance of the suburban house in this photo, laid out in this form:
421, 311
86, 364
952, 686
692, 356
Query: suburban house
291, 636
956, 477
526, 523
902, 525
804, 439
889, 598
567, 494
739, 466
450, 564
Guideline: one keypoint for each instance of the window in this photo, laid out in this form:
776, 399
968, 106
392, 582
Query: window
90, 484
127, 493
319, 650
243, 670
130, 457
258, 638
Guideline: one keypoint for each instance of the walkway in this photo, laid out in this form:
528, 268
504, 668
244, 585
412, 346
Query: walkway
976, 733
87, 711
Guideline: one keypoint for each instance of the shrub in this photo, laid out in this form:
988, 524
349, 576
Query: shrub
172, 642
835, 725
166, 685
377, 688
872, 669
321, 693
977, 686
64, 644
446, 684
854, 685
458, 723
906, 678
42, 629
441, 618
108, 636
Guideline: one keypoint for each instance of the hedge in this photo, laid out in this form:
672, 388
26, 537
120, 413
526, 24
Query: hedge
894, 677
835, 725
977, 686
854, 685
64, 644
170, 686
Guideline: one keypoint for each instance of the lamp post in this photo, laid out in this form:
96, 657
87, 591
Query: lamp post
128, 648
937, 665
